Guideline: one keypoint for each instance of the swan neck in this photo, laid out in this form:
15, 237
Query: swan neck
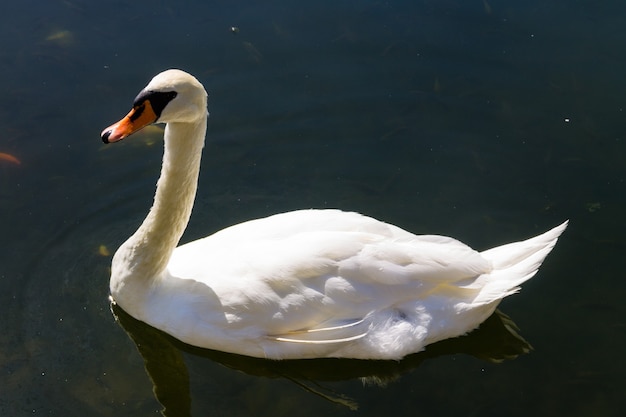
150, 248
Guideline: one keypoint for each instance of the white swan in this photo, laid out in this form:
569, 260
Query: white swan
303, 284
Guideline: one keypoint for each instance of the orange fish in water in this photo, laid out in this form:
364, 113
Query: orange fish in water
9, 158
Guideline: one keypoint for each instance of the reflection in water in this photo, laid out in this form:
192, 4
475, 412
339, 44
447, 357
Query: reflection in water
495, 340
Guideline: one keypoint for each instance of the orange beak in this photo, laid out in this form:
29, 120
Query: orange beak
138, 118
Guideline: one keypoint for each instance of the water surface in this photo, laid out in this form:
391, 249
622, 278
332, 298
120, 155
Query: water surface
488, 121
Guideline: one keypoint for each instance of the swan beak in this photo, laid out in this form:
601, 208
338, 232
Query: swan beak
139, 117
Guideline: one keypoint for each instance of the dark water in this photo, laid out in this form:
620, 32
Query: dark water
484, 120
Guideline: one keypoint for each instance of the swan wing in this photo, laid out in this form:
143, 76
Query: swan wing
317, 276
348, 331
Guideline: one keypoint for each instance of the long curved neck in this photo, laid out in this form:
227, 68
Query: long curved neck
146, 253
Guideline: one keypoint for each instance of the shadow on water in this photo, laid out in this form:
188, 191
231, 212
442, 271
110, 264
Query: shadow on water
496, 340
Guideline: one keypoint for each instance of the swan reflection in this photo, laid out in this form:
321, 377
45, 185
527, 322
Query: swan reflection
496, 340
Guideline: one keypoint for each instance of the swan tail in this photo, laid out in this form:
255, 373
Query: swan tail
515, 263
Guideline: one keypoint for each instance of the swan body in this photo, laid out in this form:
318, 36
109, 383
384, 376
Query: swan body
303, 284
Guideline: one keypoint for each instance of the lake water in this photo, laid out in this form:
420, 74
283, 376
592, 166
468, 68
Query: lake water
484, 120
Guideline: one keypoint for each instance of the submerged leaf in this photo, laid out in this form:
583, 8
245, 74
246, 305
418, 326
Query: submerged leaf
61, 37
103, 251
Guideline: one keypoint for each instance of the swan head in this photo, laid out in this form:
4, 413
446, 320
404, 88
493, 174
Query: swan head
172, 96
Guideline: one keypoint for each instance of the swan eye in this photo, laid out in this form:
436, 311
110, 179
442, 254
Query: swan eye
158, 100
